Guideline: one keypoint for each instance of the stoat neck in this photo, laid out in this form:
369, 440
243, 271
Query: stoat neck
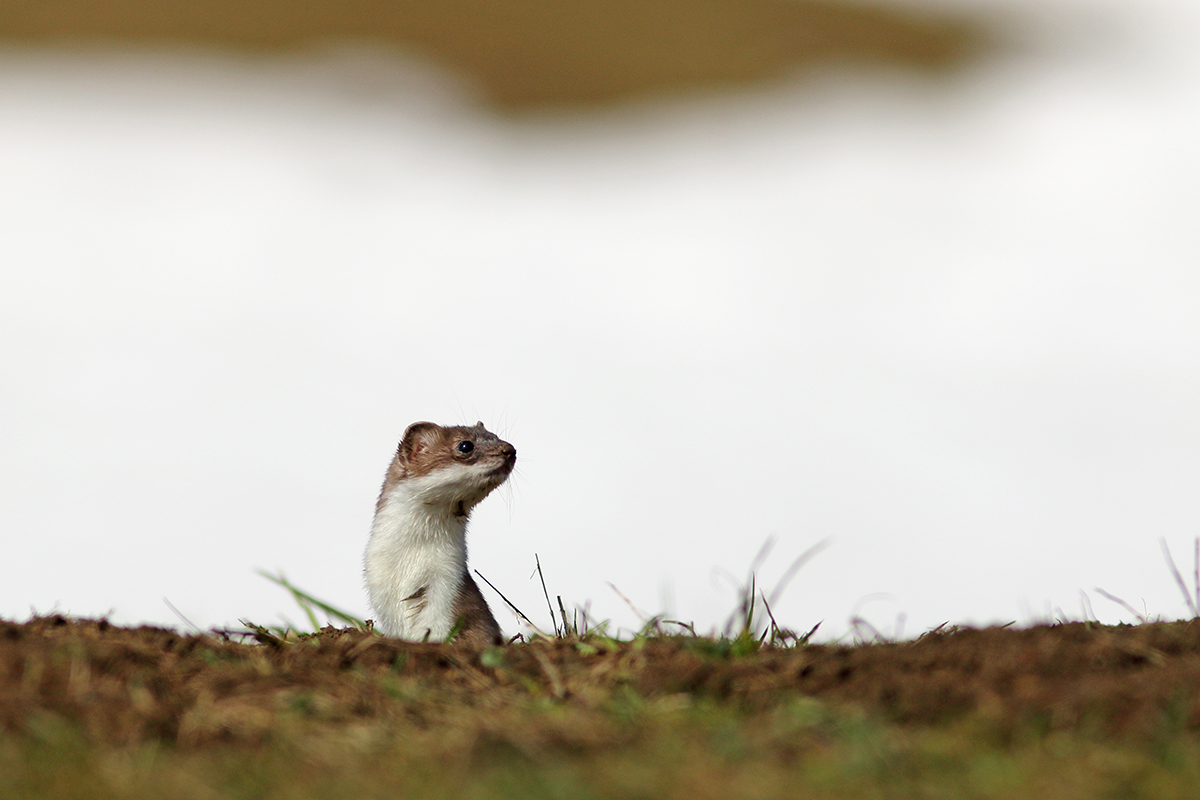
415, 563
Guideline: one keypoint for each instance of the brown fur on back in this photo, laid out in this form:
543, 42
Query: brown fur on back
479, 627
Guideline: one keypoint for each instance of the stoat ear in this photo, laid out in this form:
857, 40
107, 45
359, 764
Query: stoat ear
419, 438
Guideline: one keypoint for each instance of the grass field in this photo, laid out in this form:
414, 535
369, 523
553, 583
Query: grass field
1077, 710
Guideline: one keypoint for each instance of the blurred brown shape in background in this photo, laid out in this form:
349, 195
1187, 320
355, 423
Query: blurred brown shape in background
527, 53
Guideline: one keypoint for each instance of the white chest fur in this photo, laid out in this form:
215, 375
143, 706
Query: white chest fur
415, 561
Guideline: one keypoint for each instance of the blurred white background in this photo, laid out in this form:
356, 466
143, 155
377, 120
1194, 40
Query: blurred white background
953, 326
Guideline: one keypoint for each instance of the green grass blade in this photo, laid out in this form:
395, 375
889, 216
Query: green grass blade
307, 602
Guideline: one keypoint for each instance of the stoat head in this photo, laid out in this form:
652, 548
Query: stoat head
452, 467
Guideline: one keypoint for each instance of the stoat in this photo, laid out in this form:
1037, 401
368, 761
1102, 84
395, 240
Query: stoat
416, 558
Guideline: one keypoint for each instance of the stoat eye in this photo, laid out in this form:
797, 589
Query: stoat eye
465, 447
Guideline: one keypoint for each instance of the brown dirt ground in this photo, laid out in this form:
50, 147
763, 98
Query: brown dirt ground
130, 685
529, 53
